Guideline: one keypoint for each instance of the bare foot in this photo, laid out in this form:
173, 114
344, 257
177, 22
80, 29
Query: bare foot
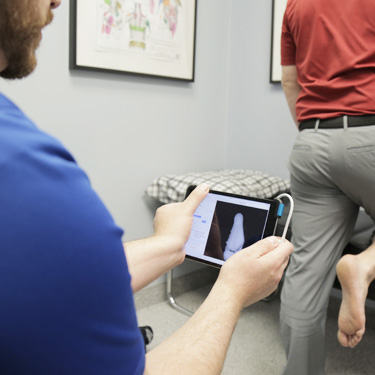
353, 274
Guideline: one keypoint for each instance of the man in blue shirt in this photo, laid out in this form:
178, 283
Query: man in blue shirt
66, 279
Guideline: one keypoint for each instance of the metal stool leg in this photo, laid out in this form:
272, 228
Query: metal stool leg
171, 299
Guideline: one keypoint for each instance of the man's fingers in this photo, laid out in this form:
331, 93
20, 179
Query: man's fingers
196, 197
281, 250
264, 246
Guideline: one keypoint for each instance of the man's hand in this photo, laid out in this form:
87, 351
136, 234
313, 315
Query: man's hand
173, 221
246, 277
152, 257
254, 272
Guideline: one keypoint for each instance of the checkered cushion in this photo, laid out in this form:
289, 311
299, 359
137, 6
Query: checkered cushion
172, 188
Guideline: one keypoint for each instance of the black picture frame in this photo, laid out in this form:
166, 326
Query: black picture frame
152, 38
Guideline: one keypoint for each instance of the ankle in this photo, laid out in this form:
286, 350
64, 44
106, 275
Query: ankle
367, 265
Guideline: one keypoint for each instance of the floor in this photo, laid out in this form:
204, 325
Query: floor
256, 345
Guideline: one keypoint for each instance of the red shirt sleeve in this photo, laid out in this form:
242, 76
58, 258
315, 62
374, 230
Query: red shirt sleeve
288, 47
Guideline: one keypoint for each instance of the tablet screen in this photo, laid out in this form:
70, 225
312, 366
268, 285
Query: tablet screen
224, 224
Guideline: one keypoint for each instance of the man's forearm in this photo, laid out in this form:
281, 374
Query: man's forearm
291, 88
200, 346
291, 95
150, 258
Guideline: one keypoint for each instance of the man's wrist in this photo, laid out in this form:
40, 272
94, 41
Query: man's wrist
229, 294
171, 245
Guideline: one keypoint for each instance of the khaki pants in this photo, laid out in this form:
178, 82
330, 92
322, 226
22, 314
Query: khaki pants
332, 175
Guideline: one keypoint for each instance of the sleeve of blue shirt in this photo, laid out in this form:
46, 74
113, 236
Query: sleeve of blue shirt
66, 301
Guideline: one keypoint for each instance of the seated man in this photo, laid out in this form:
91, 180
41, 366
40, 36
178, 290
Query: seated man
66, 282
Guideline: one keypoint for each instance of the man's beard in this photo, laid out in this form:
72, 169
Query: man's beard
20, 36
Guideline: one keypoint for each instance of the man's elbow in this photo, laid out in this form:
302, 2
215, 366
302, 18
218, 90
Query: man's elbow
289, 77
288, 85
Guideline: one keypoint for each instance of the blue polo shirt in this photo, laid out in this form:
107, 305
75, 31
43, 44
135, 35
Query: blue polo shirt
66, 304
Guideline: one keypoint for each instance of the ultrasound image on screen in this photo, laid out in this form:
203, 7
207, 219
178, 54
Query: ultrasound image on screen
233, 228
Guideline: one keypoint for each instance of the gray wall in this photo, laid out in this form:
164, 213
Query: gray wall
125, 130
260, 129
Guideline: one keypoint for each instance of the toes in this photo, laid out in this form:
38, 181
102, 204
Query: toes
343, 339
355, 339
350, 341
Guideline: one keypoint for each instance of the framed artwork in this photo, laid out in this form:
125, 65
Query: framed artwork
278, 9
154, 38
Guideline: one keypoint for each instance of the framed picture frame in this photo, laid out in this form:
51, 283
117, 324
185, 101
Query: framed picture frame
154, 38
278, 10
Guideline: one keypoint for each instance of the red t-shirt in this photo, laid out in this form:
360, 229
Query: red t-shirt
332, 44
